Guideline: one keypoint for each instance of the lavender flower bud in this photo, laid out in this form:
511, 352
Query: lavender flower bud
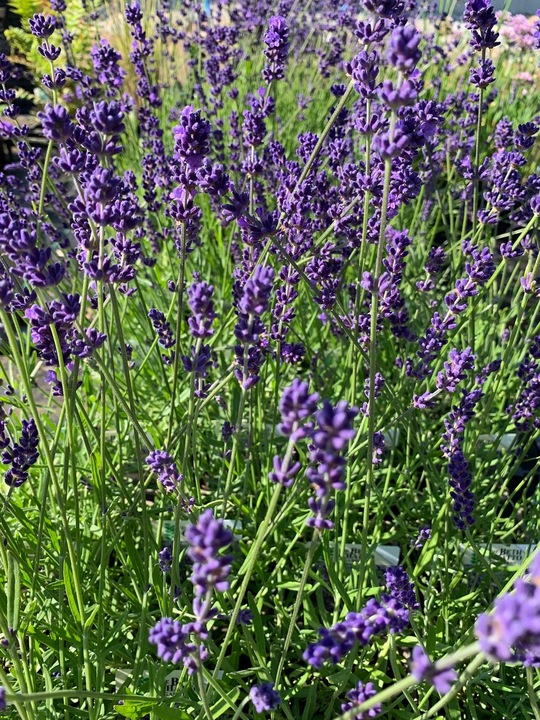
357, 696
403, 50
264, 697
276, 41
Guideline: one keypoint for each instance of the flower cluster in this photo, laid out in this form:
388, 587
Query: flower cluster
264, 697
331, 436
375, 618
297, 406
359, 695
176, 642
250, 330
200, 326
511, 632
276, 41
22, 455
162, 464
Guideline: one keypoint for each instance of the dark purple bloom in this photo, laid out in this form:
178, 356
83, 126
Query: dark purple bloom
276, 41
359, 695
403, 50
3, 703
160, 462
458, 467
455, 369
385, 8
400, 587
58, 79
206, 539
107, 118
264, 697
49, 51
162, 327
364, 69
106, 65
42, 26
374, 33
134, 13
375, 618
424, 669
202, 307
479, 16
296, 406
483, 75
245, 617
56, 123
423, 536
198, 361
511, 632
256, 294
192, 138
331, 436
165, 560
22, 455
172, 640
399, 96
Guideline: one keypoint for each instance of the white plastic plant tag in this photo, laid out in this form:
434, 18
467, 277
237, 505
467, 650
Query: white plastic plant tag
171, 682
511, 554
385, 555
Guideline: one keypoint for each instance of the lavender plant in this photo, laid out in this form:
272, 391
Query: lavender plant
270, 374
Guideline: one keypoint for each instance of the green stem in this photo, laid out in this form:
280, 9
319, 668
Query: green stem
372, 372
249, 565
388, 693
297, 604
178, 331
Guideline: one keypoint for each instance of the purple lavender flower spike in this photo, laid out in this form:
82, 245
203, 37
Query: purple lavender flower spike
511, 632
357, 696
276, 41
479, 16
172, 641
165, 560
56, 123
424, 669
206, 539
192, 138
256, 295
455, 368
400, 587
483, 75
202, 307
42, 26
331, 436
385, 8
375, 618
403, 49
297, 405
160, 462
264, 697
22, 455
249, 329
162, 327
424, 534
